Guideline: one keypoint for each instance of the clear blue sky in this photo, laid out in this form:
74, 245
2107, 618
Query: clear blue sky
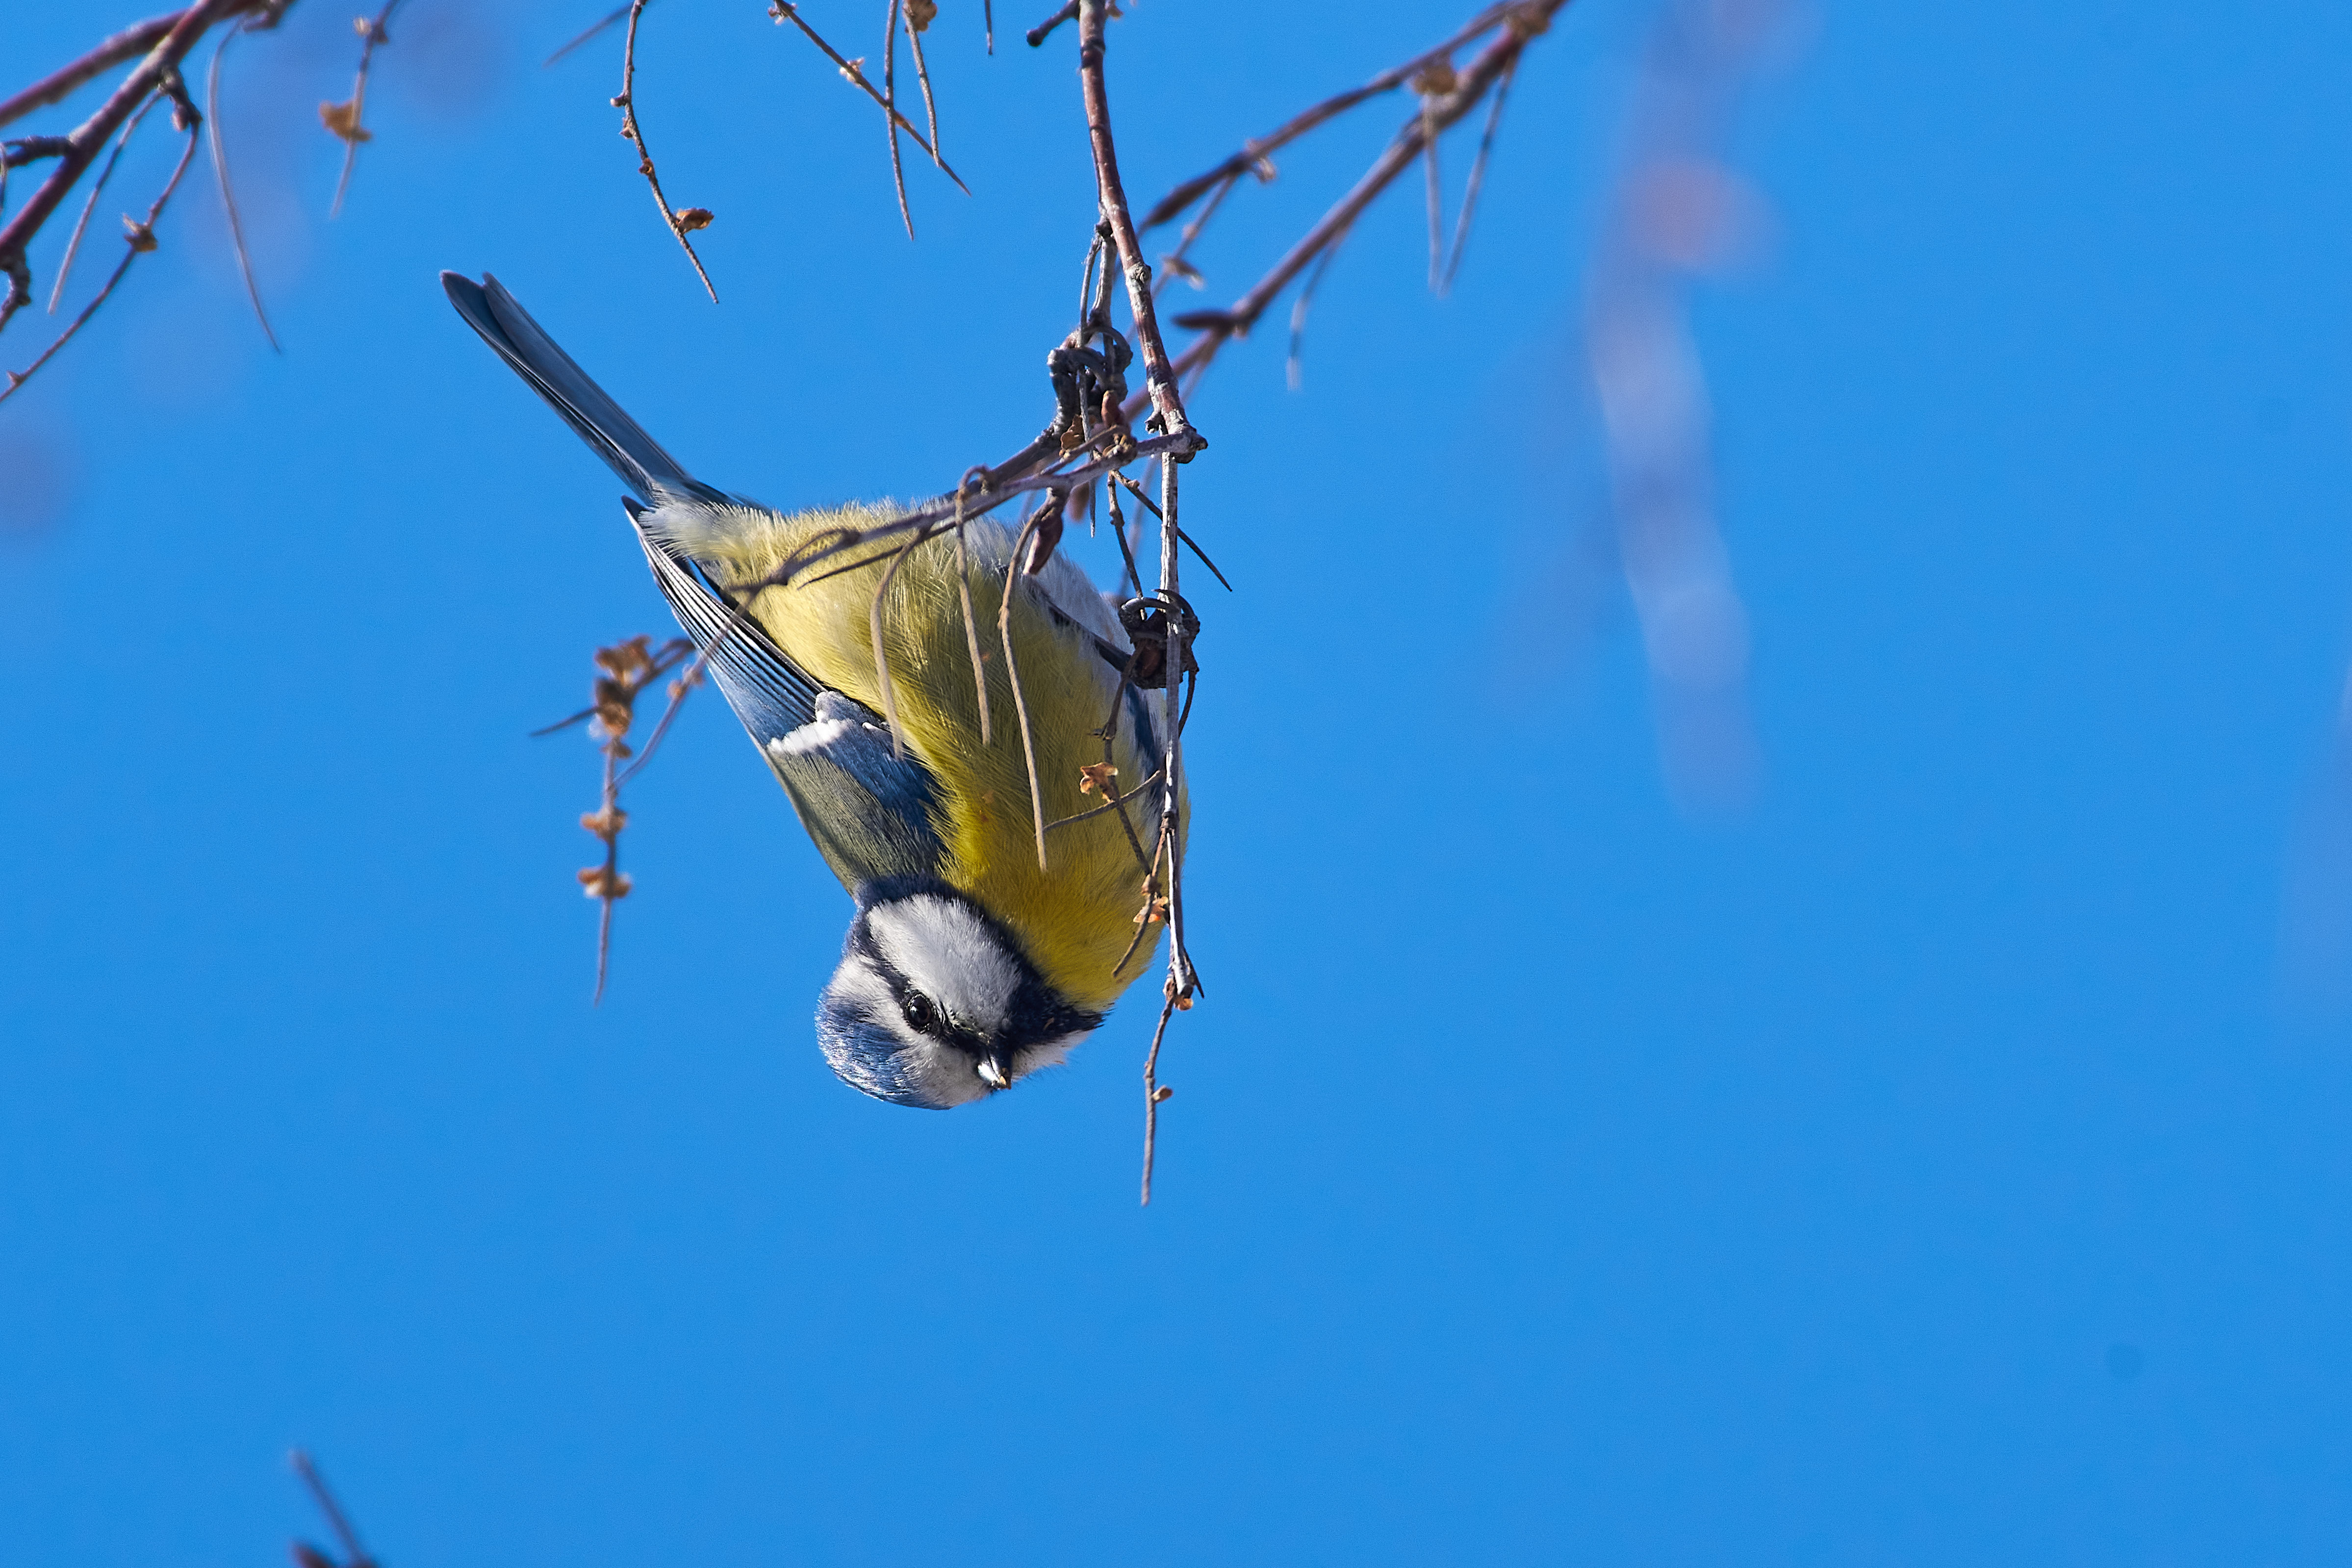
1938, 1163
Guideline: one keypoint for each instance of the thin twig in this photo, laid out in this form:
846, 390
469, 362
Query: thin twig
1160, 381
1134, 579
1293, 370
1151, 507
785, 11
140, 240
1174, 260
1437, 202
1478, 175
1108, 775
1113, 803
971, 626
625, 670
1172, 626
1044, 29
678, 690
881, 654
1153, 1093
923, 75
347, 120
627, 104
1254, 153
594, 28
1013, 673
81, 224
316, 1485
1523, 21
228, 197
890, 115
162, 59
1143, 921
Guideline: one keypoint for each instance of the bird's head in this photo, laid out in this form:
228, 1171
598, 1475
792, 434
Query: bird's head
934, 1004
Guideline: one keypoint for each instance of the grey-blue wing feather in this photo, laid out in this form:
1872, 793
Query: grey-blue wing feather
769, 692
867, 809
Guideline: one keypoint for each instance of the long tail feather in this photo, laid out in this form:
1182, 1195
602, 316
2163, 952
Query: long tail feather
610, 433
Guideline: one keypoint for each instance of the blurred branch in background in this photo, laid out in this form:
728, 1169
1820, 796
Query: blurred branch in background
345, 121
2315, 950
1446, 96
309, 1556
160, 46
1677, 211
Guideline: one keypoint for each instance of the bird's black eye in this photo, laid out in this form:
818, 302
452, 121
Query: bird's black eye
920, 1015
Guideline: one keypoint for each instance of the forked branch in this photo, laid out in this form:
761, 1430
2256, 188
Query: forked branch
83, 143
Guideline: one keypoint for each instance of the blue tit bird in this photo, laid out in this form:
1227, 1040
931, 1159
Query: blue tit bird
968, 965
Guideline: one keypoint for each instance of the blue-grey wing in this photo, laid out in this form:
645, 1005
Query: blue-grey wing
867, 809
769, 692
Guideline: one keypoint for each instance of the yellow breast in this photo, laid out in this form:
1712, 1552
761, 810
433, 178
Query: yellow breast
1075, 916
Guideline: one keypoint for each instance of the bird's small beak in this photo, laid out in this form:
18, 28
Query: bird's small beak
993, 1073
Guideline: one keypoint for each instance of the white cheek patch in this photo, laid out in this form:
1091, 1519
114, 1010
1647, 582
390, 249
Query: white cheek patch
947, 952
945, 1073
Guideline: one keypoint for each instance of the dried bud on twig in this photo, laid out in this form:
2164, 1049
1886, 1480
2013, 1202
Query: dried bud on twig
625, 670
1096, 776
342, 120
693, 218
603, 883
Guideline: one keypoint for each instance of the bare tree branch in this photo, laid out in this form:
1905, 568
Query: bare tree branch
1478, 175
228, 195
1160, 382
891, 118
59, 84
309, 1556
162, 59
1253, 154
1044, 29
1522, 23
344, 120
139, 237
681, 223
783, 11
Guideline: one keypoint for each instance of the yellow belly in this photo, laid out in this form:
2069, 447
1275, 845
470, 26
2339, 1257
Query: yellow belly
1075, 916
